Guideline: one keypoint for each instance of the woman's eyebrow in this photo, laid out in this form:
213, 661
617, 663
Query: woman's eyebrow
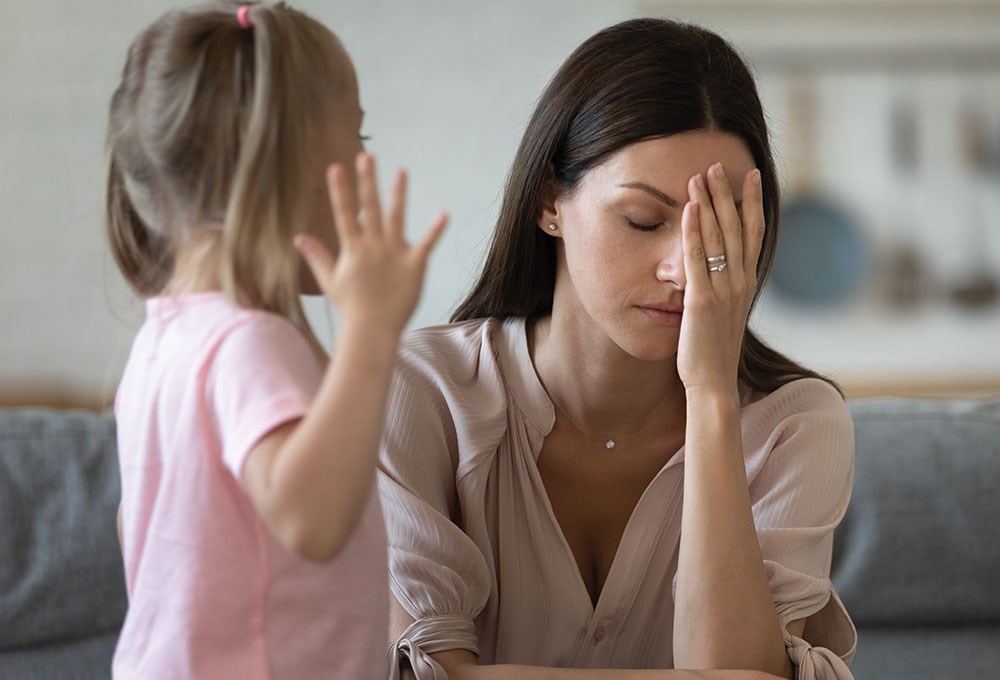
642, 186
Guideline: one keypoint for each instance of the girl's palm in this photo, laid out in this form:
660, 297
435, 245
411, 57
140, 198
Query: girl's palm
376, 276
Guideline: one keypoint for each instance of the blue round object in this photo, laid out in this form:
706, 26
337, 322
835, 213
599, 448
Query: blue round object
821, 256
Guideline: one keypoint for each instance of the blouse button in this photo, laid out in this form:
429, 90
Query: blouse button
599, 634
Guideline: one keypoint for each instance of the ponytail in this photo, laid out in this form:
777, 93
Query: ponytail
214, 129
262, 202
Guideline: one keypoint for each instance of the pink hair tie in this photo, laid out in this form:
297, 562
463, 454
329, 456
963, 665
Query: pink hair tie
242, 16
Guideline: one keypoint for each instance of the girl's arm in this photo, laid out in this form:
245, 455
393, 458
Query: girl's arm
311, 479
724, 615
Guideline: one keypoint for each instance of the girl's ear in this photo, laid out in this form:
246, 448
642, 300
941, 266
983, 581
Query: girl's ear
548, 209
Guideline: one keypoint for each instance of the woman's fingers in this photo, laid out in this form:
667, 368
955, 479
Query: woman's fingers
727, 218
753, 221
711, 234
694, 250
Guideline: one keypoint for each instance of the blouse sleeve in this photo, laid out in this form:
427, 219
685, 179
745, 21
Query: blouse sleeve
799, 496
436, 572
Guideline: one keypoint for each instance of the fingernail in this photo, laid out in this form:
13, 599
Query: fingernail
755, 178
694, 207
717, 171
699, 181
301, 242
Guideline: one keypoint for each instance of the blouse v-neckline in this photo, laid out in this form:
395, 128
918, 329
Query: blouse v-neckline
537, 408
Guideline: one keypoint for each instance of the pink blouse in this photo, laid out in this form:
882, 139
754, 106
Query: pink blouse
477, 557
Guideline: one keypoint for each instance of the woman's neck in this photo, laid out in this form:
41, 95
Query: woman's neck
594, 381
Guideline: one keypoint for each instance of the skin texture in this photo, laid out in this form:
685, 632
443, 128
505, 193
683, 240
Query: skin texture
643, 341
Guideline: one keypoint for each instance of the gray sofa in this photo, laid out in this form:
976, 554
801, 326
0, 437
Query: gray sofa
62, 589
917, 559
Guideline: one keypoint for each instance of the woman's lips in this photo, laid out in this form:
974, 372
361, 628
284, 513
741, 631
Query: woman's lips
662, 317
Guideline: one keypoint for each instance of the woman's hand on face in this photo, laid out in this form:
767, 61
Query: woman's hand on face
376, 277
717, 303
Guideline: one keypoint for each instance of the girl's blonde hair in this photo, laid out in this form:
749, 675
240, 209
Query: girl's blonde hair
212, 125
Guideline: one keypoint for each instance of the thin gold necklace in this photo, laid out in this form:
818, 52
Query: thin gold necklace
608, 443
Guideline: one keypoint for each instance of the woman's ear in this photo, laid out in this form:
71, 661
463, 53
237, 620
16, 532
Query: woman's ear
548, 209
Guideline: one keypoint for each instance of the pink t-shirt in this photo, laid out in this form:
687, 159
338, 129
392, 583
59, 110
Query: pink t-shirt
212, 594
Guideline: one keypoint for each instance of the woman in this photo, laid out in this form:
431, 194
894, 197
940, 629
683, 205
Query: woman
598, 467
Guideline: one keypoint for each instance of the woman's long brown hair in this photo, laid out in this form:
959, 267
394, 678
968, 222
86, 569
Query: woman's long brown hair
634, 81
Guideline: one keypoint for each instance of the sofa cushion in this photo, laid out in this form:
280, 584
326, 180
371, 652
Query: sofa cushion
84, 659
932, 652
61, 574
920, 543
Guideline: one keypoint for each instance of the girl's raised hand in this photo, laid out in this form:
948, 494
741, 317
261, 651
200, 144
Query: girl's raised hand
376, 277
719, 291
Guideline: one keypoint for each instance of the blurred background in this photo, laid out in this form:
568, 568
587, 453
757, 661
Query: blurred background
885, 116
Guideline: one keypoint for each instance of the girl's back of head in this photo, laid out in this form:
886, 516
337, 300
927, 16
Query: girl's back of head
208, 148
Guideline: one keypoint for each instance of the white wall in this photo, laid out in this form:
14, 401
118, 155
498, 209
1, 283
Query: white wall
448, 88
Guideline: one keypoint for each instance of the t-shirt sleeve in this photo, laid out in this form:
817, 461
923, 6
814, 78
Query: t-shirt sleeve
436, 572
799, 497
263, 374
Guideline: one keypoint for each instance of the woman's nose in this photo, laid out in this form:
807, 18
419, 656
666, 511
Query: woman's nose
670, 268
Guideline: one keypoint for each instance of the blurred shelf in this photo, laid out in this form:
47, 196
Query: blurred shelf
850, 35
977, 388
882, 58
56, 397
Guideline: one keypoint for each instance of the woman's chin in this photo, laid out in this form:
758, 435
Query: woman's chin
654, 347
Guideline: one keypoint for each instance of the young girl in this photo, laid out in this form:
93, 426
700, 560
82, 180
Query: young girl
253, 542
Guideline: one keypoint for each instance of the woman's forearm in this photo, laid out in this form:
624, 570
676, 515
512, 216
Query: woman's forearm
462, 665
724, 615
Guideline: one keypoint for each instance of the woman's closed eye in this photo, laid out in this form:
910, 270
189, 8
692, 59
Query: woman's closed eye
644, 225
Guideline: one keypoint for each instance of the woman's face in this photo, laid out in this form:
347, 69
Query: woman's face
620, 272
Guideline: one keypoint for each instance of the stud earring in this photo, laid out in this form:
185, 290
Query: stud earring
553, 226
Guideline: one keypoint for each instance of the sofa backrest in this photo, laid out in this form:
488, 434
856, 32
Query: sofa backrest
60, 567
920, 544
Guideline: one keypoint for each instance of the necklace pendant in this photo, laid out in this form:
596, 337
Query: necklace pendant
610, 444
